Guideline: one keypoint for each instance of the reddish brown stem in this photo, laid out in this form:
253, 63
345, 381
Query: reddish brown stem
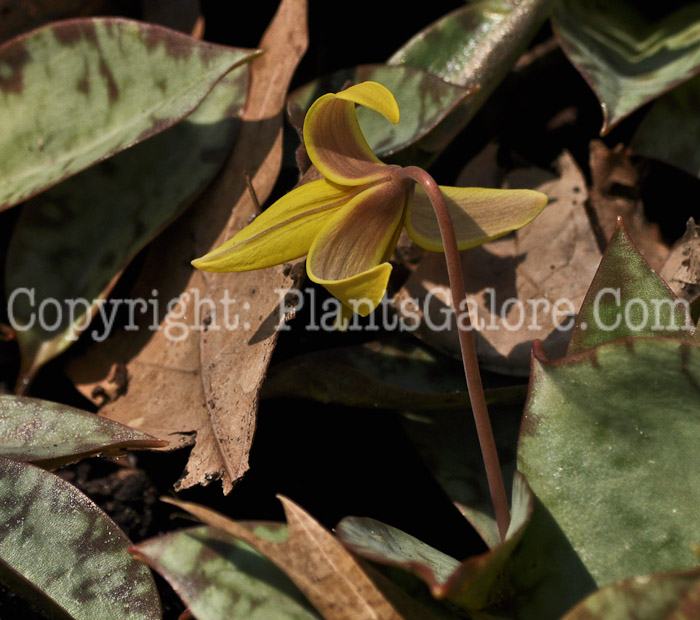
484, 431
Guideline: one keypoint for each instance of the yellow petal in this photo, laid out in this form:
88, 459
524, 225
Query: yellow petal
374, 96
348, 257
334, 141
283, 232
479, 215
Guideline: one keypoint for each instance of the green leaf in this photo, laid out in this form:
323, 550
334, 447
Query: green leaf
474, 47
609, 446
663, 596
628, 298
393, 373
472, 584
628, 58
545, 576
63, 552
75, 92
424, 101
50, 434
219, 577
448, 443
69, 243
669, 130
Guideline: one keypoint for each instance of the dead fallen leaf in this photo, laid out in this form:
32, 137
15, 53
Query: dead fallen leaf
615, 192
523, 287
198, 366
681, 271
328, 574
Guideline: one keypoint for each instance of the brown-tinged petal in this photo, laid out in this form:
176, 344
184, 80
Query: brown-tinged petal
333, 137
479, 215
348, 256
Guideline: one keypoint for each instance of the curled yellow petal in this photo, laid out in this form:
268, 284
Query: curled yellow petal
478, 214
374, 96
283, 232
334, 141
348, 257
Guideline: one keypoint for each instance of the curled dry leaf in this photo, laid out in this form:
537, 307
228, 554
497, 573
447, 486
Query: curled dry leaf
682, 267
200, 372
328, 575
526, 286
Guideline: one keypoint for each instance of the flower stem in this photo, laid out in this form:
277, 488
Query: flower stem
475, 388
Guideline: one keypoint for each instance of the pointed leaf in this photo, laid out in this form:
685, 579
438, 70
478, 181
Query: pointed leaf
314, 560
627, 298
218, 577
424, 100
669, 130
50, 434
626, 56
64, 552
62, 250
78, 91
609, 446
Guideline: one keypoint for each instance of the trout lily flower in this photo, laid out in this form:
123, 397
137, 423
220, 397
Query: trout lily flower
348, 223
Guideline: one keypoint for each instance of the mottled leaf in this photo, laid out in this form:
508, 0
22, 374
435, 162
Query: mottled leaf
62, 551
609, 446
78, 91
669, 130
472, 584
328, 575
62, 250
424, 100
50, 434
218, 577
663, 596
208, 359
627, 298
474, 47
627, 56
396, 373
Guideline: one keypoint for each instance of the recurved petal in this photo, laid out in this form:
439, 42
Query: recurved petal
283, 232
348, 257
334, 141
479, 215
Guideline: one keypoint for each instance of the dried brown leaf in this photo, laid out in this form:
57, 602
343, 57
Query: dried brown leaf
327, 573
615, 193
207, 382
525, 286
681, 271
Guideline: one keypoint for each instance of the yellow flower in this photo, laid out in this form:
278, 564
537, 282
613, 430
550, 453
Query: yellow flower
348, 223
